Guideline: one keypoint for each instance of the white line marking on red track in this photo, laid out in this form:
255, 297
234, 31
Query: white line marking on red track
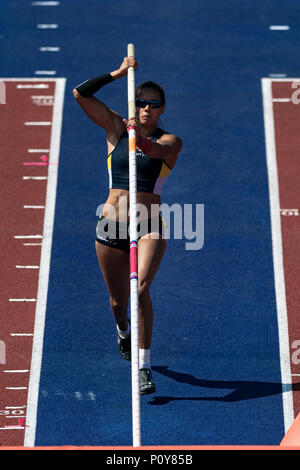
22, 300
15, 407
32, 244
8, 428
43, 100
280, 292
34, 207
37, 178
38, 123
38, 150
42, 97
28, 236
289, 212
40, 86
16, 388
281, 100
17, 371
27, 267
21, 334
40, 316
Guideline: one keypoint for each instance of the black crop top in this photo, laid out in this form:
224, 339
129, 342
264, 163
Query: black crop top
151, 172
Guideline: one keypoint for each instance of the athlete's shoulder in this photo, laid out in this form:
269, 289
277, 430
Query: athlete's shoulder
170, 139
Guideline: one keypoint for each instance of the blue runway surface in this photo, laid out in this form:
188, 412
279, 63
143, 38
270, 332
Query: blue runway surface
215, 351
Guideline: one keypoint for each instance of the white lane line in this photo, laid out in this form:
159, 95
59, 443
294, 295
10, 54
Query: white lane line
279, 27
38, 150
31, 86
49, 49
45, 4
21, 334
277, 75
37, 123
40, 316
15, 407
47, 26
11, 428
280, 292
16, 371
22, 300
45, 72
34, 207
37, 178
27, 267
28, 236
32, 244
281, 100
16, 388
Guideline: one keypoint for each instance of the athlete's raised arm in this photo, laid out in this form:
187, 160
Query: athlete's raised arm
95, 109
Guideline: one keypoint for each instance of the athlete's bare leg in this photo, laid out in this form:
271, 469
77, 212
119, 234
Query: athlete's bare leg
150, 254
115, 267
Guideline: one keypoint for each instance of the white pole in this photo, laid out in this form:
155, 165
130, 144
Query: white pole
136, 404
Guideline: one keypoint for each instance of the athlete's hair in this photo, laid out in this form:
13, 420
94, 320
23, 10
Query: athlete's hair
152, 86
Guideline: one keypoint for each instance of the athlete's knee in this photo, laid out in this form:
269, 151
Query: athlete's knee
118, 303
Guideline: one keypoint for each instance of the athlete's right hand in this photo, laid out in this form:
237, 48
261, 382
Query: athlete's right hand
127, 62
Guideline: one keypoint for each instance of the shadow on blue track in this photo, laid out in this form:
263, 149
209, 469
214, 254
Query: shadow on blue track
242, 390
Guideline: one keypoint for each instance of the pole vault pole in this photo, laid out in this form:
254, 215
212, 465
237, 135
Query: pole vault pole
136, 401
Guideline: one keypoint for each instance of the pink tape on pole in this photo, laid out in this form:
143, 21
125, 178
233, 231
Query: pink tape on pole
133, 260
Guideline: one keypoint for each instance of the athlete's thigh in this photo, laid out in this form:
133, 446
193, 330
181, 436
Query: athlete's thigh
150, 254
115, 267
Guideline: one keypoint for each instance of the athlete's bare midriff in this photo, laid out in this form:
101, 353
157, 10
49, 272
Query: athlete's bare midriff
117, 205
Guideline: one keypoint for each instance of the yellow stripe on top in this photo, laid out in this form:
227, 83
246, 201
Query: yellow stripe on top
163, 174
109, 162
165, 171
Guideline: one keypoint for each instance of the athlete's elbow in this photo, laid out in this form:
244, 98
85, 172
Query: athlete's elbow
76, 94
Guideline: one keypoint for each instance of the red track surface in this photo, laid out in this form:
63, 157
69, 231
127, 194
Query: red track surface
20, 283
287, 137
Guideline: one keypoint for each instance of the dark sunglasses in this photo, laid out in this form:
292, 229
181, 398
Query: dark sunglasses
152, 103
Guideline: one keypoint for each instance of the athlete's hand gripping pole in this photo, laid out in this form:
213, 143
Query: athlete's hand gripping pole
136, 406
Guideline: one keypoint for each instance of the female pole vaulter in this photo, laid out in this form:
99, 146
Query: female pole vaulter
157, 152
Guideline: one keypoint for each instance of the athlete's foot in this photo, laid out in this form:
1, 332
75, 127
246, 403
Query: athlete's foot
125, 347
146, 383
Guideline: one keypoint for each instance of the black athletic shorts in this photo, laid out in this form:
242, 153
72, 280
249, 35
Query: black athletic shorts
117, 234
